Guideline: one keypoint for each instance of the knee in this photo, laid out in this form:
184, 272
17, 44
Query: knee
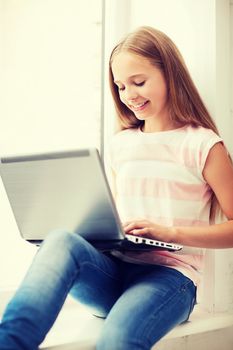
62, 240
117, 338
57, 238
56, 245
110, 339
65, 241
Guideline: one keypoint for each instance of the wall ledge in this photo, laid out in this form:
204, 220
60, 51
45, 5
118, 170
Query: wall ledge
76, 329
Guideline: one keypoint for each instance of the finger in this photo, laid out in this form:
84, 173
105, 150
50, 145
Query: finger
132, 226
137, 224
129, 225
140, 232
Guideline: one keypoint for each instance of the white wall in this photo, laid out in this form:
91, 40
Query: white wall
223, 67
231, 63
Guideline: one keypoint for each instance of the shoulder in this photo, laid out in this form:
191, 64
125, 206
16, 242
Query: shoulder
201, 133
196, 145
202, 139
218, 173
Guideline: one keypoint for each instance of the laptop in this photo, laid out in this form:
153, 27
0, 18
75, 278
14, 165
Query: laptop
67, 190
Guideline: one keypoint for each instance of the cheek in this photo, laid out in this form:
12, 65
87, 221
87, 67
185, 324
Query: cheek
122, 98
163, 92
160, 95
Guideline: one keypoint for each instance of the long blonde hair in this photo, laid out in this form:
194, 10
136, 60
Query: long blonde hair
184, 102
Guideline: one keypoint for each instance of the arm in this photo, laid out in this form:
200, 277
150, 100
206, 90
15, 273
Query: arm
218, 172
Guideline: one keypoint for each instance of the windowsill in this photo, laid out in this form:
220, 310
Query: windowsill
76, 329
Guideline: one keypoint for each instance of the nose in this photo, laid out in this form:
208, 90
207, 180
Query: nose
130, 94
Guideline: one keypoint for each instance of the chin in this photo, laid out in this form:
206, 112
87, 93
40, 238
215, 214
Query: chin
139, 117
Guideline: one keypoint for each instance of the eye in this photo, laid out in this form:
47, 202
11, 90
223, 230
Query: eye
140, 84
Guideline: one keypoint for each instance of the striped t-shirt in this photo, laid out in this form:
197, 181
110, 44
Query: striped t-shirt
159, 178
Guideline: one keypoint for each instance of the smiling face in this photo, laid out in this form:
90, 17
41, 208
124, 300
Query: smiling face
142, 88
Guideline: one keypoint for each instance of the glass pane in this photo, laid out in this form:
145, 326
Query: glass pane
51, 74
50, 91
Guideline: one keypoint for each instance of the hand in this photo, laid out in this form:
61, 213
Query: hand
149, 229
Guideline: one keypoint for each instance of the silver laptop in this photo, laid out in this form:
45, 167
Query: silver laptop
67, 190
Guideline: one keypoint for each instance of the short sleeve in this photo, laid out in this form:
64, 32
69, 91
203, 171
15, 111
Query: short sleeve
208, 140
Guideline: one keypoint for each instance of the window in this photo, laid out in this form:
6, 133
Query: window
51, 94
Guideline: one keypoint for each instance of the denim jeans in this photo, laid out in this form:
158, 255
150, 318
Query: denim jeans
141, 303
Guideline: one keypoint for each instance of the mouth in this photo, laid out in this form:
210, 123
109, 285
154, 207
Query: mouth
138, 107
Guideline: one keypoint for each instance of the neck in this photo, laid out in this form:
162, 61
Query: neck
159, 126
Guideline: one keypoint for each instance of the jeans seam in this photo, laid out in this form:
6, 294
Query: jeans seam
166, 302
194, 300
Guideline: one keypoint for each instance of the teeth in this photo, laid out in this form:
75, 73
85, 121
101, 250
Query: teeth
139, 105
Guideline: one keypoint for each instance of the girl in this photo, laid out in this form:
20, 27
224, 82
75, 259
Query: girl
172, 173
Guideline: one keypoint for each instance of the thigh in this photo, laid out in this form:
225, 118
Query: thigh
155, 299
98, 283
90, 276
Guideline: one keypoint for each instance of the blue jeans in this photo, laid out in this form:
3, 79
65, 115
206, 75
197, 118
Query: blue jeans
141, 303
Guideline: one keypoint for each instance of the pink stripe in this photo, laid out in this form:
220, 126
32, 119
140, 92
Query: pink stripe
160, 152
162, 188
